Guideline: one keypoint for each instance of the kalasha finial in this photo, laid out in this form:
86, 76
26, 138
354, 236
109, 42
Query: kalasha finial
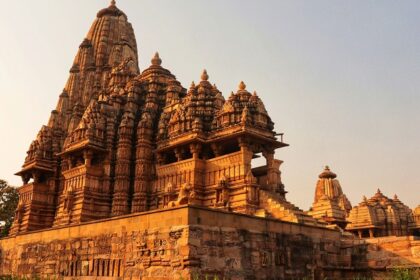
395, 196
204, 76
364, 198
113, 3
378, 191
192, 86
156, 60
327, 167
242, 85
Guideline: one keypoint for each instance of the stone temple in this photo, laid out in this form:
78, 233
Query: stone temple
137, 177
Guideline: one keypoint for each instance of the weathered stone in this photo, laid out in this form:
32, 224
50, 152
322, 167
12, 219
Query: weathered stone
136, 177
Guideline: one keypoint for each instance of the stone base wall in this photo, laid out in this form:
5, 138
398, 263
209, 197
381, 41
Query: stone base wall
187, 242
393, 252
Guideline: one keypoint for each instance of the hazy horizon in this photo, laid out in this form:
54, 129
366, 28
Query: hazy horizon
340, 79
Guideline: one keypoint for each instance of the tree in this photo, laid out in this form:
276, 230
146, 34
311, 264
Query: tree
9, 198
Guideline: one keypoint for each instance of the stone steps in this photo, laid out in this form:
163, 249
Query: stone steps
277, 207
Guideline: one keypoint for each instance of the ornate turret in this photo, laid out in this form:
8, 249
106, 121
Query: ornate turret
381, 216
330, 204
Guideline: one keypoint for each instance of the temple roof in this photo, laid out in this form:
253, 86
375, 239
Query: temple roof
377, 211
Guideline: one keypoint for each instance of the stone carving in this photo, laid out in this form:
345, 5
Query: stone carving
186, 195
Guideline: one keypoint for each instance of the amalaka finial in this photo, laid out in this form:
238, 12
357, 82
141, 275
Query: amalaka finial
242, 85
204, 76
156, 60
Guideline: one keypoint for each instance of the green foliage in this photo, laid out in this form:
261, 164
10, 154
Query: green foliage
358, 277
9, 198
405, 274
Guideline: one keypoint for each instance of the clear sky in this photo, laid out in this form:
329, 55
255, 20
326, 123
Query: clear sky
341, 79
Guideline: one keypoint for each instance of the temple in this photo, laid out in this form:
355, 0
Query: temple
381, 216
136, 177
330, 204
378, 216
122, 141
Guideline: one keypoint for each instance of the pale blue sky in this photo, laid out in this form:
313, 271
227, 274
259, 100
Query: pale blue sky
341, 79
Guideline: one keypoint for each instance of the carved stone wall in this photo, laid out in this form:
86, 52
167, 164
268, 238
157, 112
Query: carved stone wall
191, 241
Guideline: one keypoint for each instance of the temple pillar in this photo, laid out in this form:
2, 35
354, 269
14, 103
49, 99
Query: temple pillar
246, 156
178, 154
217, 149
87, 156
195, 150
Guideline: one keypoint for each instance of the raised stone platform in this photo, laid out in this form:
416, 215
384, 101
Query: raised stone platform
189, 241
183, 241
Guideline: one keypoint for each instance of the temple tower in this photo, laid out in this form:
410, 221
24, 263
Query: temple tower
330, 203
52, 174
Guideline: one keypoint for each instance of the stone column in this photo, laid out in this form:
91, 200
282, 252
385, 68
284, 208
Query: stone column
246, 156
87, 156
195, 150
178, 154
217, 149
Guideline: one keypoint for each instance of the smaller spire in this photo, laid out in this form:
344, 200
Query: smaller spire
204, 76
156, 60
242, 85
192, 86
